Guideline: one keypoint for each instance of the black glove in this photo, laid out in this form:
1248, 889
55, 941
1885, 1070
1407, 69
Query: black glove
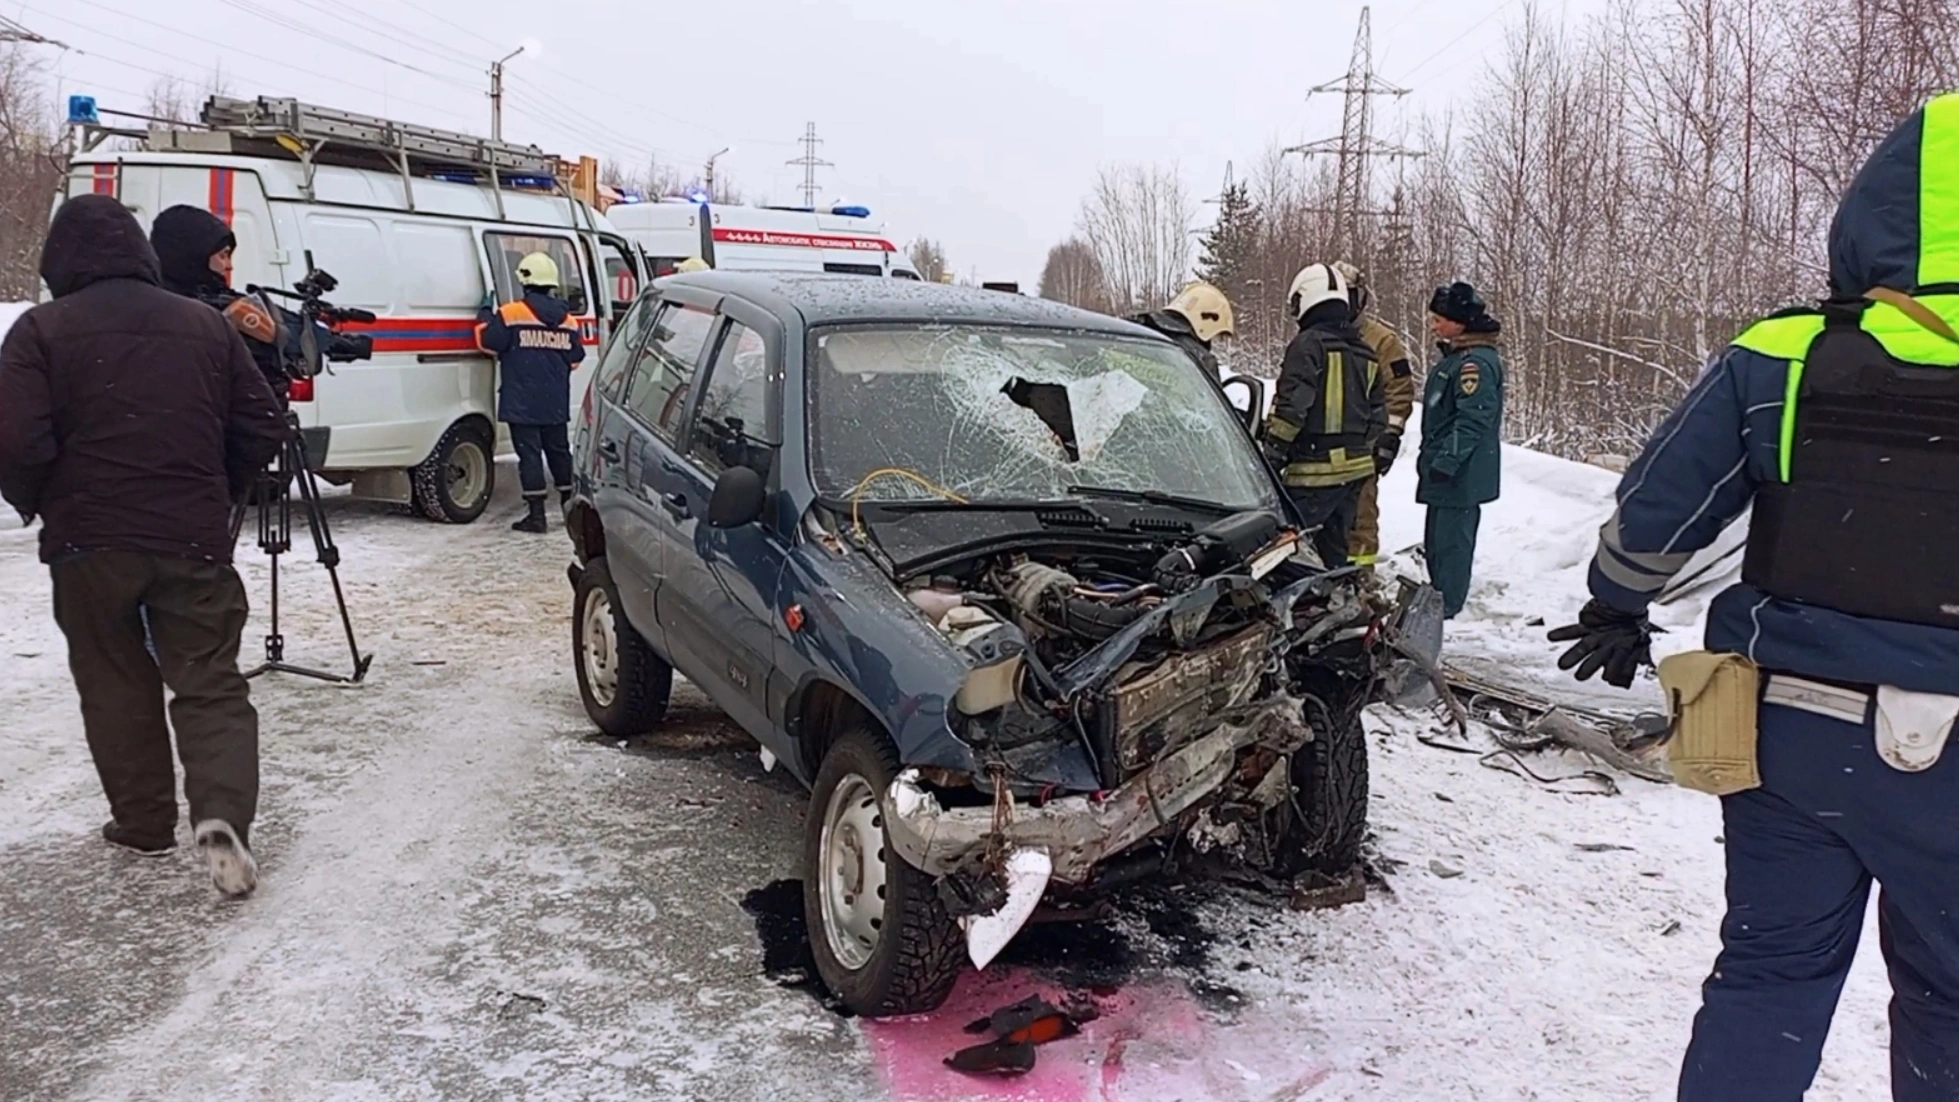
1275, 453
1605, 638
1385, 451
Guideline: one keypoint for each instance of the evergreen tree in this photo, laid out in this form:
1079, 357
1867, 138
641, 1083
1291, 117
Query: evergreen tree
1230, 248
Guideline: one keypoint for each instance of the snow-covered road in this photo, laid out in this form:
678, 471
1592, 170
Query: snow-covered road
470, 896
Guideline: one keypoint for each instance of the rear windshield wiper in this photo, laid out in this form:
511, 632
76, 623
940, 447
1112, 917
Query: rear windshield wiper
1154, 497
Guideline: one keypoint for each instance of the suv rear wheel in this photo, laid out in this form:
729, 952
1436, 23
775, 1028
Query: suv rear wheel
624, 684
454, 483
881, 937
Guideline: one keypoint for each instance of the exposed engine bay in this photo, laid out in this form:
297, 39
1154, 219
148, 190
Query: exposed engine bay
1189, 674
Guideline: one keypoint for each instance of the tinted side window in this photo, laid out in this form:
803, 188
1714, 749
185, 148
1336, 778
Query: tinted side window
732, 428
663, 372
620, 348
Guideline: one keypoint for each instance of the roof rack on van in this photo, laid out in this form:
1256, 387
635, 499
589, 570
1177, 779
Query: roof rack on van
305, 131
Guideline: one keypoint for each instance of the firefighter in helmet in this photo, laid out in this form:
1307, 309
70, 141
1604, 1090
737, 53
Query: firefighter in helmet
1198, 317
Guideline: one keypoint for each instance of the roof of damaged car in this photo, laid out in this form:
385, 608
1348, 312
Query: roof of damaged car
824, 299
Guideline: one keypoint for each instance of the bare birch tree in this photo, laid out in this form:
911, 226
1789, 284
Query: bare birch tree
1139, 220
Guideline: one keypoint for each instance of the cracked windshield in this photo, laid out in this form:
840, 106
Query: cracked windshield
971, 414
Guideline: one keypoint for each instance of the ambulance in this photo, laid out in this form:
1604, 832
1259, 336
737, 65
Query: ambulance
409, 221
841, 239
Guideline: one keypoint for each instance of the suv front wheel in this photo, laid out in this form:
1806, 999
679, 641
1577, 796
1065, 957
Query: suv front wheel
624, 684
883, 942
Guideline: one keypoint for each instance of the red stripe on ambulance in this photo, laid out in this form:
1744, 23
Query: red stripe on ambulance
803, 240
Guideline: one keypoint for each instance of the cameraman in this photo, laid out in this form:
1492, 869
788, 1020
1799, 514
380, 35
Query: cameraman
129, 421
194, 248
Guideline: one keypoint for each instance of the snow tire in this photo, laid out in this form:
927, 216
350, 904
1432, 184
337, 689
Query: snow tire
435, 488
642, 681
922, 950
1330, 774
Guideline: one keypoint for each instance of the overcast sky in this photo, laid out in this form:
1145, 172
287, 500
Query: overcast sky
980, 122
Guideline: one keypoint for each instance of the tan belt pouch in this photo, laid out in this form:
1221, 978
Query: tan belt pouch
1713, 700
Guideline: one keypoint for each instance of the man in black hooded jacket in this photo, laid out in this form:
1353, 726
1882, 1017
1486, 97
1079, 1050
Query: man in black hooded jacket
194, 250
130, 420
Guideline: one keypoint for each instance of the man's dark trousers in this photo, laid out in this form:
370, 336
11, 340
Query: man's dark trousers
537, 445
1802, 851
1449, 542
1330, 510
197, 612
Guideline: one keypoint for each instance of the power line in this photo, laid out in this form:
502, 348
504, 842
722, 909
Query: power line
1473, 27
224, 54
466, 60
285, 22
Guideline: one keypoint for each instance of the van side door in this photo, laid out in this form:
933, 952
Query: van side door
720, 602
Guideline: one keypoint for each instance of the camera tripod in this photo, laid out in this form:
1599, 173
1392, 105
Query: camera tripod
275, 508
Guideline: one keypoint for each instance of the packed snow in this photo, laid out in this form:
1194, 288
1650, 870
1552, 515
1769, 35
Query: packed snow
469, 895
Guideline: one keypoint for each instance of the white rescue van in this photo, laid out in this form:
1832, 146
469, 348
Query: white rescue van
404, 217
731, 238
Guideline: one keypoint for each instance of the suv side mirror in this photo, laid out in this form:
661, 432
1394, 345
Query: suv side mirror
1254, 399
737, 499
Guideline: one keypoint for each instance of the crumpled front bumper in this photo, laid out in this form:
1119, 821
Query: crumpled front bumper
1078, 832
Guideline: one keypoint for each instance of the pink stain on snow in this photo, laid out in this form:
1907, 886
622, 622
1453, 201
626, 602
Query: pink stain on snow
1150, 1043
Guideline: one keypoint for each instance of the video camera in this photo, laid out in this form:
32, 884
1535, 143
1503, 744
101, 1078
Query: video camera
317, 343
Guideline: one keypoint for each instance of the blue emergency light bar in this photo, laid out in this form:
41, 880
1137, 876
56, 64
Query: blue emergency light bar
81, 110
851, 212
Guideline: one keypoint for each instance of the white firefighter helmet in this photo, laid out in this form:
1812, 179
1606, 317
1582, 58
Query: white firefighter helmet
1356, 283
537, 270
1206, 309
691, 264
1315, 284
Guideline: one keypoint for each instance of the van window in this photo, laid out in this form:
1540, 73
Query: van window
854, 269
732, 428
352, 249
507, 250
664, 370
444, 274
621, 276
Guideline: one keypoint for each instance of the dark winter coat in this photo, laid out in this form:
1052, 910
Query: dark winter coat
1177, 327
1703, 466
185, 238
1461, 462
1329, 406
130, 417
536, 343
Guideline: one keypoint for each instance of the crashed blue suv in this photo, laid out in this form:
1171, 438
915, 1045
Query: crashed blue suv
1004, 582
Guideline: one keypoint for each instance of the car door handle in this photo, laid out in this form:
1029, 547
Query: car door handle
609, 450
676, 504
669, 465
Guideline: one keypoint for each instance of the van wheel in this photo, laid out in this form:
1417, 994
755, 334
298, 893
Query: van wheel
453, 484
623, 683
881, 937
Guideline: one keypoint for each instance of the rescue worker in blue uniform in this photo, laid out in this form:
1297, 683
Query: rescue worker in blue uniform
1460, 466
1838, 651
536, 343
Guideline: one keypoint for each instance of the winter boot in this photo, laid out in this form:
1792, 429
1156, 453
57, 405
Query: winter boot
231, 864
142, 845
534, 518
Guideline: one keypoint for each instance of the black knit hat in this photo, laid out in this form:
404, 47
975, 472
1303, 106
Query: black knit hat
1460, 303
185, 239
